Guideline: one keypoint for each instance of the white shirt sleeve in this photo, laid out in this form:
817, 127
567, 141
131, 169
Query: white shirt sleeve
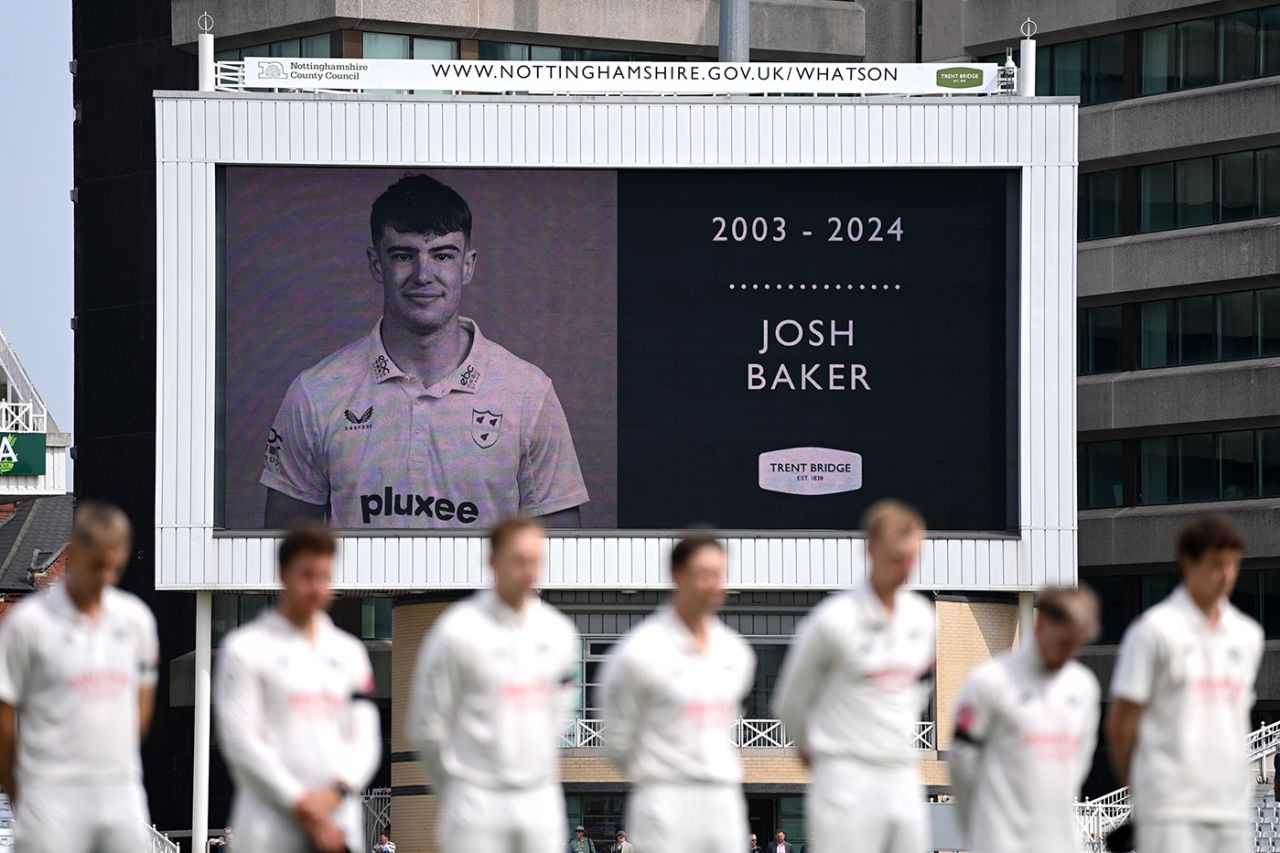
550, 479
804, 672
15, 660
568, 689
622, 701
1089, 737
148, 647
1136, 665
293, 463
434, 698
973, 722
241, 722
365, 741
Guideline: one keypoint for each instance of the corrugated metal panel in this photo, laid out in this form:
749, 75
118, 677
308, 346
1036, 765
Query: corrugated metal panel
196, 132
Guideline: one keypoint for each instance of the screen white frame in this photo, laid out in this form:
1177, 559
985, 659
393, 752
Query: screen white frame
198, 131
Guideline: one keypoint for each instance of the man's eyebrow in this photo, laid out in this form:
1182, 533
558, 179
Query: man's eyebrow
430, 249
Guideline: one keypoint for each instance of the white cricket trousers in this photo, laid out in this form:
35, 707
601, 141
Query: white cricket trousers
516, 820
692, 817
870, 809
81, 819
1193, 837
261, 827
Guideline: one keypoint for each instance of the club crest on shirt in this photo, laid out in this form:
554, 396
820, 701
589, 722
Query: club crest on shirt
485, 427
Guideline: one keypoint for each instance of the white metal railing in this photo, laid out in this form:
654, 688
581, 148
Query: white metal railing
377, 814
160, 843
23, 417
743, 733
228, 76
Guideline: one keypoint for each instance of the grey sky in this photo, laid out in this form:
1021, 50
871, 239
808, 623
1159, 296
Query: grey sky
36, 250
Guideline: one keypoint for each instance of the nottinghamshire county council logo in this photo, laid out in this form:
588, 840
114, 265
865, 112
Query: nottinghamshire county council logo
8, 453
272, 71
359, 421
959, 78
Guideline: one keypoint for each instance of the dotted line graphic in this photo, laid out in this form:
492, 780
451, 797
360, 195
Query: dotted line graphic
883, 288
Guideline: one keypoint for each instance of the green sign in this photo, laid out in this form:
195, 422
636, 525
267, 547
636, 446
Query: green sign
21, 454
959, 78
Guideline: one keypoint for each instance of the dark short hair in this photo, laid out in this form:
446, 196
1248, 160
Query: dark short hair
1208, 533
684, 550
507, 528
419, 204
305, 540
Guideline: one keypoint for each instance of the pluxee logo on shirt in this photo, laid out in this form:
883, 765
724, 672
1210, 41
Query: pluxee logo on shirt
389, 502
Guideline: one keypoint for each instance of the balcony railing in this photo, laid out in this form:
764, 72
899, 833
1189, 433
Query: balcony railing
160, 842
743, 733
23, 417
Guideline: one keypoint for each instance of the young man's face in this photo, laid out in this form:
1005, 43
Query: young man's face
305, 583
518, 563
96, 568
422, 276
701, 580
781, 837
1058, 640
894, 555
1213, 575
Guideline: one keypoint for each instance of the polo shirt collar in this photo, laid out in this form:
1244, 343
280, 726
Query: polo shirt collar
64, 606
322, 623
1183, 599
466, 377
874, 607
501, 611
685, 640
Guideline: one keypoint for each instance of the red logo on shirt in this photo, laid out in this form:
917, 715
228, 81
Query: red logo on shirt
526, 695
1052, 746
708, 713
314, 704
1221, 690
99, 685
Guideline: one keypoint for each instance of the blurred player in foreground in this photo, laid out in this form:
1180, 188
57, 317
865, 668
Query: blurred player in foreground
1026, 726
671, 691
1181, 698
78, 674
852, 688
296, 721
491, 697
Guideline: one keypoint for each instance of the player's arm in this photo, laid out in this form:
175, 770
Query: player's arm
1088, 739
8, 749
622, 704
964, 760
148, 650
241, 719
804, 672
284, 512
1131, 689
365, 744
15, 663
549, 479
434, 700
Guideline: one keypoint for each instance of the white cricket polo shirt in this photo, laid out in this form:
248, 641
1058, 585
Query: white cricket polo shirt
488, 441
1195, 682
668, 708
492, 693
1034, 732
288, 709
75, 684
857, 679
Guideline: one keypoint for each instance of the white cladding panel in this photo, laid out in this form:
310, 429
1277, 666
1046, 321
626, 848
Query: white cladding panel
52, 482
197, 131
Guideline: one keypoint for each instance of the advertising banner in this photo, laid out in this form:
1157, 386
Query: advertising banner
22, 454
648, 349
634, 78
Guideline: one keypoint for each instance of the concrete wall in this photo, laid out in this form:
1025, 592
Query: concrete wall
890, 30
796, 28
1142, 535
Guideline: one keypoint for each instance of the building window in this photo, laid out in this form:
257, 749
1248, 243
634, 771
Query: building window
1100, 205
513, 51
308, 47
1122, 598
1223, 466
1101, 348
231, 610
375, 619
791, 820
1199, 191
1198, 329
1101, 466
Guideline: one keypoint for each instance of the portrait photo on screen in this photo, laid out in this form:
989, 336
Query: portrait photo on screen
418, 349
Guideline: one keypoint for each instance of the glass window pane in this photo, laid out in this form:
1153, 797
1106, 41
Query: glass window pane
1269, 461
542, 52
227, 56
1068, 68
1195, 330
1235, 192
1197, 477
503, 50
1157, 471
1155, 588
435, 48
1236, 338
1238, 46
1269, 40
317, 47
1158, 339
1269, 322
288, 47
1156, 209
1159, 62
1268, 601
605, 55
375, 619
1268, 167
1196, 53
1044, 69
257, 50
1105, 339
1105, 471
1106, 69
1245, 595
1195, 191
1236, 465
1101, 205
386, 46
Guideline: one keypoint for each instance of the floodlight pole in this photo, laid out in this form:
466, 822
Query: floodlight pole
735, 31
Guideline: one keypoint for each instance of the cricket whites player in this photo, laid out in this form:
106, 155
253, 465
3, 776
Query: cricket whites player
77, 689
1181, 698
424, 422
671, 691
1026, 726
853, 686
296, 721
491, 696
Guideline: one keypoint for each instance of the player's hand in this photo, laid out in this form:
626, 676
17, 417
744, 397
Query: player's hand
805, 760
328, 838
315, 806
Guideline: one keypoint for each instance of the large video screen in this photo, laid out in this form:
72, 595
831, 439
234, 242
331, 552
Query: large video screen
644, 349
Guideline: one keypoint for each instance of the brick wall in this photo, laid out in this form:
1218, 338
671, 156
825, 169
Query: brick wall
968, 634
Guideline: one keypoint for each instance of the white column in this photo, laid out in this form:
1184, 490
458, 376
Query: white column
204, 693
204, 56
1026, 615
1027, 51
